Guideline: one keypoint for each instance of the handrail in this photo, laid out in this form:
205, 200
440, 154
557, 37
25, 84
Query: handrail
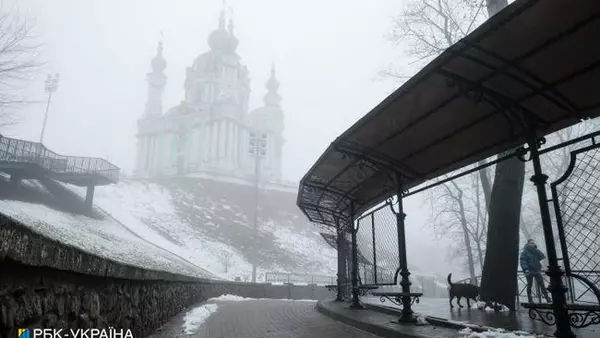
589, 283
595, 290
22, 151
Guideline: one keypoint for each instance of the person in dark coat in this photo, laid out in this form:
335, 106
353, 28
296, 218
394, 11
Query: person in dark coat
530, 260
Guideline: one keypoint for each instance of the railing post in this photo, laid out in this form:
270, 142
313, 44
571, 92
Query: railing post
341, 275
355, 301
407, 313
557, 288
374, 248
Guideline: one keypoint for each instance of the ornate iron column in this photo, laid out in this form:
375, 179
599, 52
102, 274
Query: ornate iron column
407, 313
355, 301
341, 256
556, 288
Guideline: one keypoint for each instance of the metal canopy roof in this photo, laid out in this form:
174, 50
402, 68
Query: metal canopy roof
535, 63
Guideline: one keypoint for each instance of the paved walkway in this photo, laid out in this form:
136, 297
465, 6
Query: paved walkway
264, 319
512, 321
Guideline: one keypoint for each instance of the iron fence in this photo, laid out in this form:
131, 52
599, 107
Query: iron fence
579, 292
298, 278
576, 202
377, 240
21, 151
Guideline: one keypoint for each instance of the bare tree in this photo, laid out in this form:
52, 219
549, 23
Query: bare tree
18, 62
459, 212
226, 260
430, 27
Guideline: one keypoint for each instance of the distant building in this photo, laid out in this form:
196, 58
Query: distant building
211, 133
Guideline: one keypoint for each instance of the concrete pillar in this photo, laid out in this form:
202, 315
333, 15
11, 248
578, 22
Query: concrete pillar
15, 180
89, 197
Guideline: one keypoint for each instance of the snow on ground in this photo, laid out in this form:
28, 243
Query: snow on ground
104, 238
499, 333
142, 227
147, 210
235, 298
302, 245
197, 316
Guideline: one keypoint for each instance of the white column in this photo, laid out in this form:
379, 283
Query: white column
198, 144
140, 153
207, 137
221, 139
226, 140
230, 142
213, 141
151, 152
236, 146
206, 144
147, 152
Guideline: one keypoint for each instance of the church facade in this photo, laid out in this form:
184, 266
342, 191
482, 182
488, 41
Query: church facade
212, 133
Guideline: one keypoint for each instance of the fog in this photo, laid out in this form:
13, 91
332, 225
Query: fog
327, 56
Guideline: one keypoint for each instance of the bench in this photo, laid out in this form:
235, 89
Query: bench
362, 289
580, 315
396, 297
366, 288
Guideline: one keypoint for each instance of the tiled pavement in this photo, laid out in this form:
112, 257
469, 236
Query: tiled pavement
264, 319
512, 321
297, 319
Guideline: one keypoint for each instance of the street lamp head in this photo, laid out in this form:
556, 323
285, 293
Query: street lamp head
52, 83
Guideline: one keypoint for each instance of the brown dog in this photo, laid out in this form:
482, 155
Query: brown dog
460, 290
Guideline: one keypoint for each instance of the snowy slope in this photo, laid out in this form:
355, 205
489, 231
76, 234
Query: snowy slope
209, 223
184, 225
190, 226
101, 236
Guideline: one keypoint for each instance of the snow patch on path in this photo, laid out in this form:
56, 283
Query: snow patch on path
194, 319
235, 298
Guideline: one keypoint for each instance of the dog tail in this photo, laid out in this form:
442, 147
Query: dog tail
450, 279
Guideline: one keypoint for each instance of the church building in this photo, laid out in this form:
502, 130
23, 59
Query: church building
211, 133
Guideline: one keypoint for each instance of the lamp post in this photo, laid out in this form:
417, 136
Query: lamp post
257, 149
51, 86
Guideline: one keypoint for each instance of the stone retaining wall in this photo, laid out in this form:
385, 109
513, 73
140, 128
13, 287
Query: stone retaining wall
44, 283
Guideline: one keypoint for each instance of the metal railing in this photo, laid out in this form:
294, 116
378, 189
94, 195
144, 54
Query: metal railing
578, 291
20, 151
297, 278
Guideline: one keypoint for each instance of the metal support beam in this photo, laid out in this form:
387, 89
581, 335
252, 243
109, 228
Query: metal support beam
341, 256
355, 301
556, 288
89, 197
407, 313
374, 248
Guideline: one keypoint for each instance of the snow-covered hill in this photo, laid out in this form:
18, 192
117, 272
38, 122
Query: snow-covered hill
183, 225
210, 223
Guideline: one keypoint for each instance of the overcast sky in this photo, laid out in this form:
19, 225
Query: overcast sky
327, 55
